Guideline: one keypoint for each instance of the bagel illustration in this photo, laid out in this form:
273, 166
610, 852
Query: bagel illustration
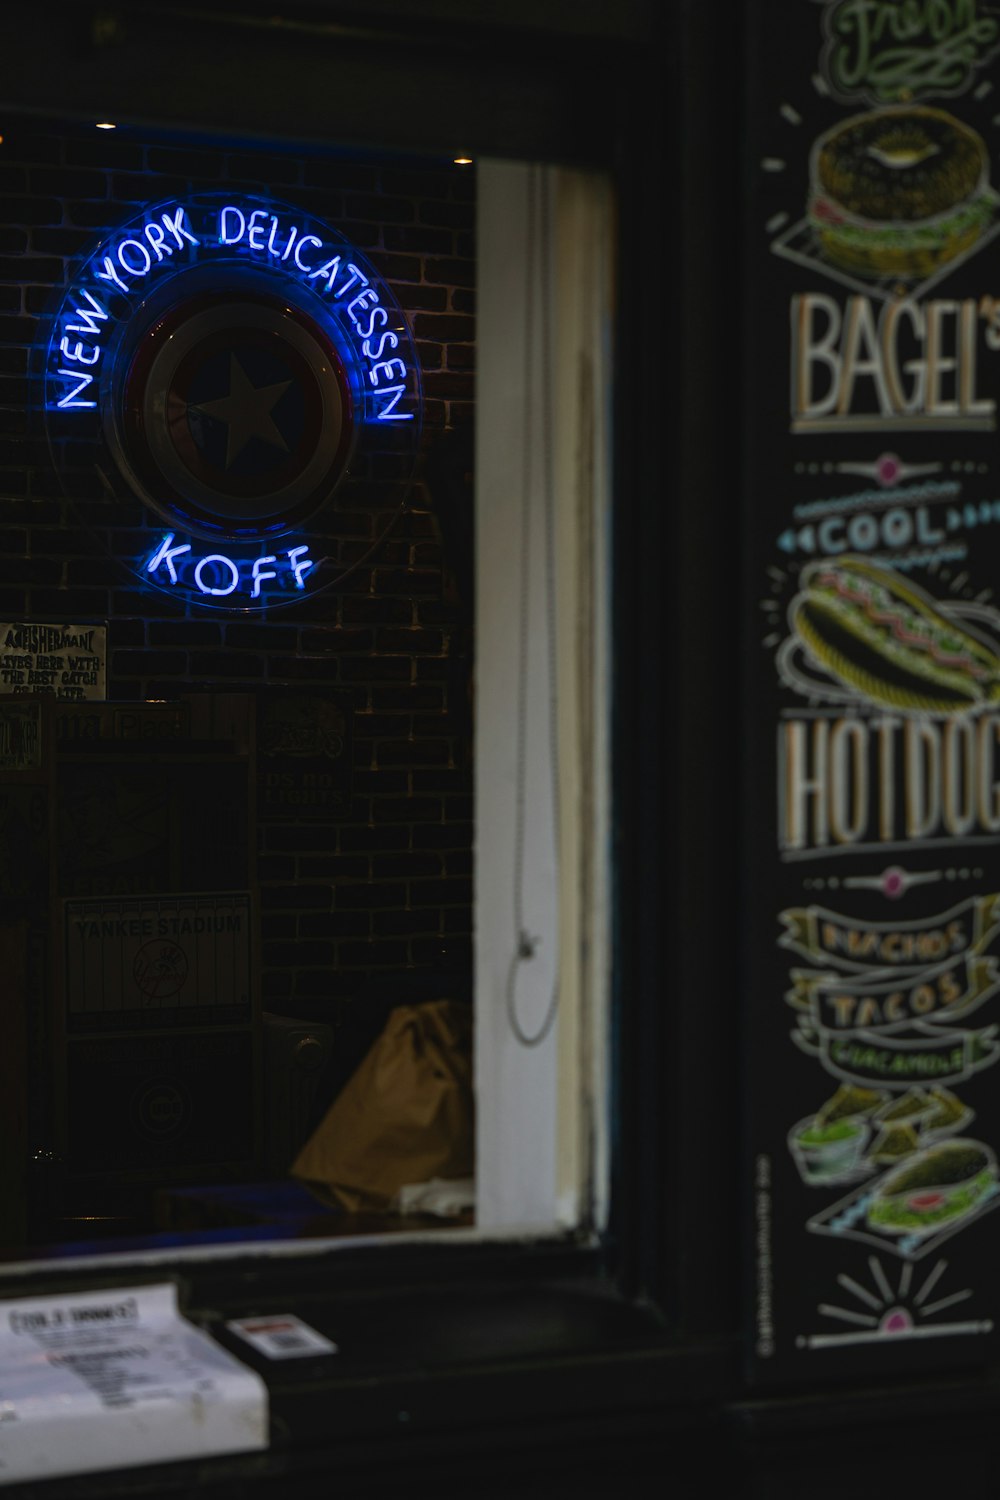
887, 640
899, 191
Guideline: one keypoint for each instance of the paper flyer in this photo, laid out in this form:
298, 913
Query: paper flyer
111, 1379
282, 1336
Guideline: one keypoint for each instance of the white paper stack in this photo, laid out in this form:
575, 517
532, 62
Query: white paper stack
105, 1380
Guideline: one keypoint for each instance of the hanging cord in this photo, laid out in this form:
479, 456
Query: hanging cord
526, 943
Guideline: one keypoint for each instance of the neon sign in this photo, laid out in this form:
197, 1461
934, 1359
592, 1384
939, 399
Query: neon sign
233, 363
218, 575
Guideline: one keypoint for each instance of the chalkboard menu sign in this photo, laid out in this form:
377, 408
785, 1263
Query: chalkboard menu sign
872, 616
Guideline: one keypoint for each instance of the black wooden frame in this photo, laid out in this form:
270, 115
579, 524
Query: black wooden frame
547, 1366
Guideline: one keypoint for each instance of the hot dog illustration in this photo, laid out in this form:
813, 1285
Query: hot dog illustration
886, 639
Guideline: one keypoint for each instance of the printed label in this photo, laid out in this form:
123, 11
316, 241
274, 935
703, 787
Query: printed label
282, 1336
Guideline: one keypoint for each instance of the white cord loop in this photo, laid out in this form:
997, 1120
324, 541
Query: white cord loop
526, 944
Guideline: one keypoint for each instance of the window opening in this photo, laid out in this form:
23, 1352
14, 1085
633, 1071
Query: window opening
538, 702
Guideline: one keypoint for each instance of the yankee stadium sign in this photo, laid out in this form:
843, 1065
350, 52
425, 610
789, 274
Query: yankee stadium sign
229, 361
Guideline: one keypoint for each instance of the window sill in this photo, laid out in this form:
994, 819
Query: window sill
502, 1356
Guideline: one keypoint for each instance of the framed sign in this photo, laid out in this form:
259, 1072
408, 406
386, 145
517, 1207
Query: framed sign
58, 660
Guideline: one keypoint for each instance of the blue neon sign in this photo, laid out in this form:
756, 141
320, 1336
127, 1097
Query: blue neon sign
218, 575
234, 363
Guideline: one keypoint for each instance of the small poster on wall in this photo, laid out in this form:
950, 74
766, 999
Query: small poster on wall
872, 1020
60, 660
304, 756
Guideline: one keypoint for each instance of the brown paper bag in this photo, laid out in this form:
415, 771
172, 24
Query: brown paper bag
405, 1116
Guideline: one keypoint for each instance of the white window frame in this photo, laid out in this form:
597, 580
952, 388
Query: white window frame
543, 401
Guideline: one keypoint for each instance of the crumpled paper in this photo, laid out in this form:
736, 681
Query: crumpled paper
445, 1198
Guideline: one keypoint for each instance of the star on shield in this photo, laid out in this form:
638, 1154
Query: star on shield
238, 416
246, 411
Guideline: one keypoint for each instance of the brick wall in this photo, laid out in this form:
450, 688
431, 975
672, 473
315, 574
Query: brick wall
387, 886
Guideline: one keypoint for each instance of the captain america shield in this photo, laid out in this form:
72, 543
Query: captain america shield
236, 414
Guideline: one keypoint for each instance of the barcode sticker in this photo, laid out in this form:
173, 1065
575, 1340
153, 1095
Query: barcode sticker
282, 1336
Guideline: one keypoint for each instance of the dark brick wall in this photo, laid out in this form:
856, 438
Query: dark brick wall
387, 885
